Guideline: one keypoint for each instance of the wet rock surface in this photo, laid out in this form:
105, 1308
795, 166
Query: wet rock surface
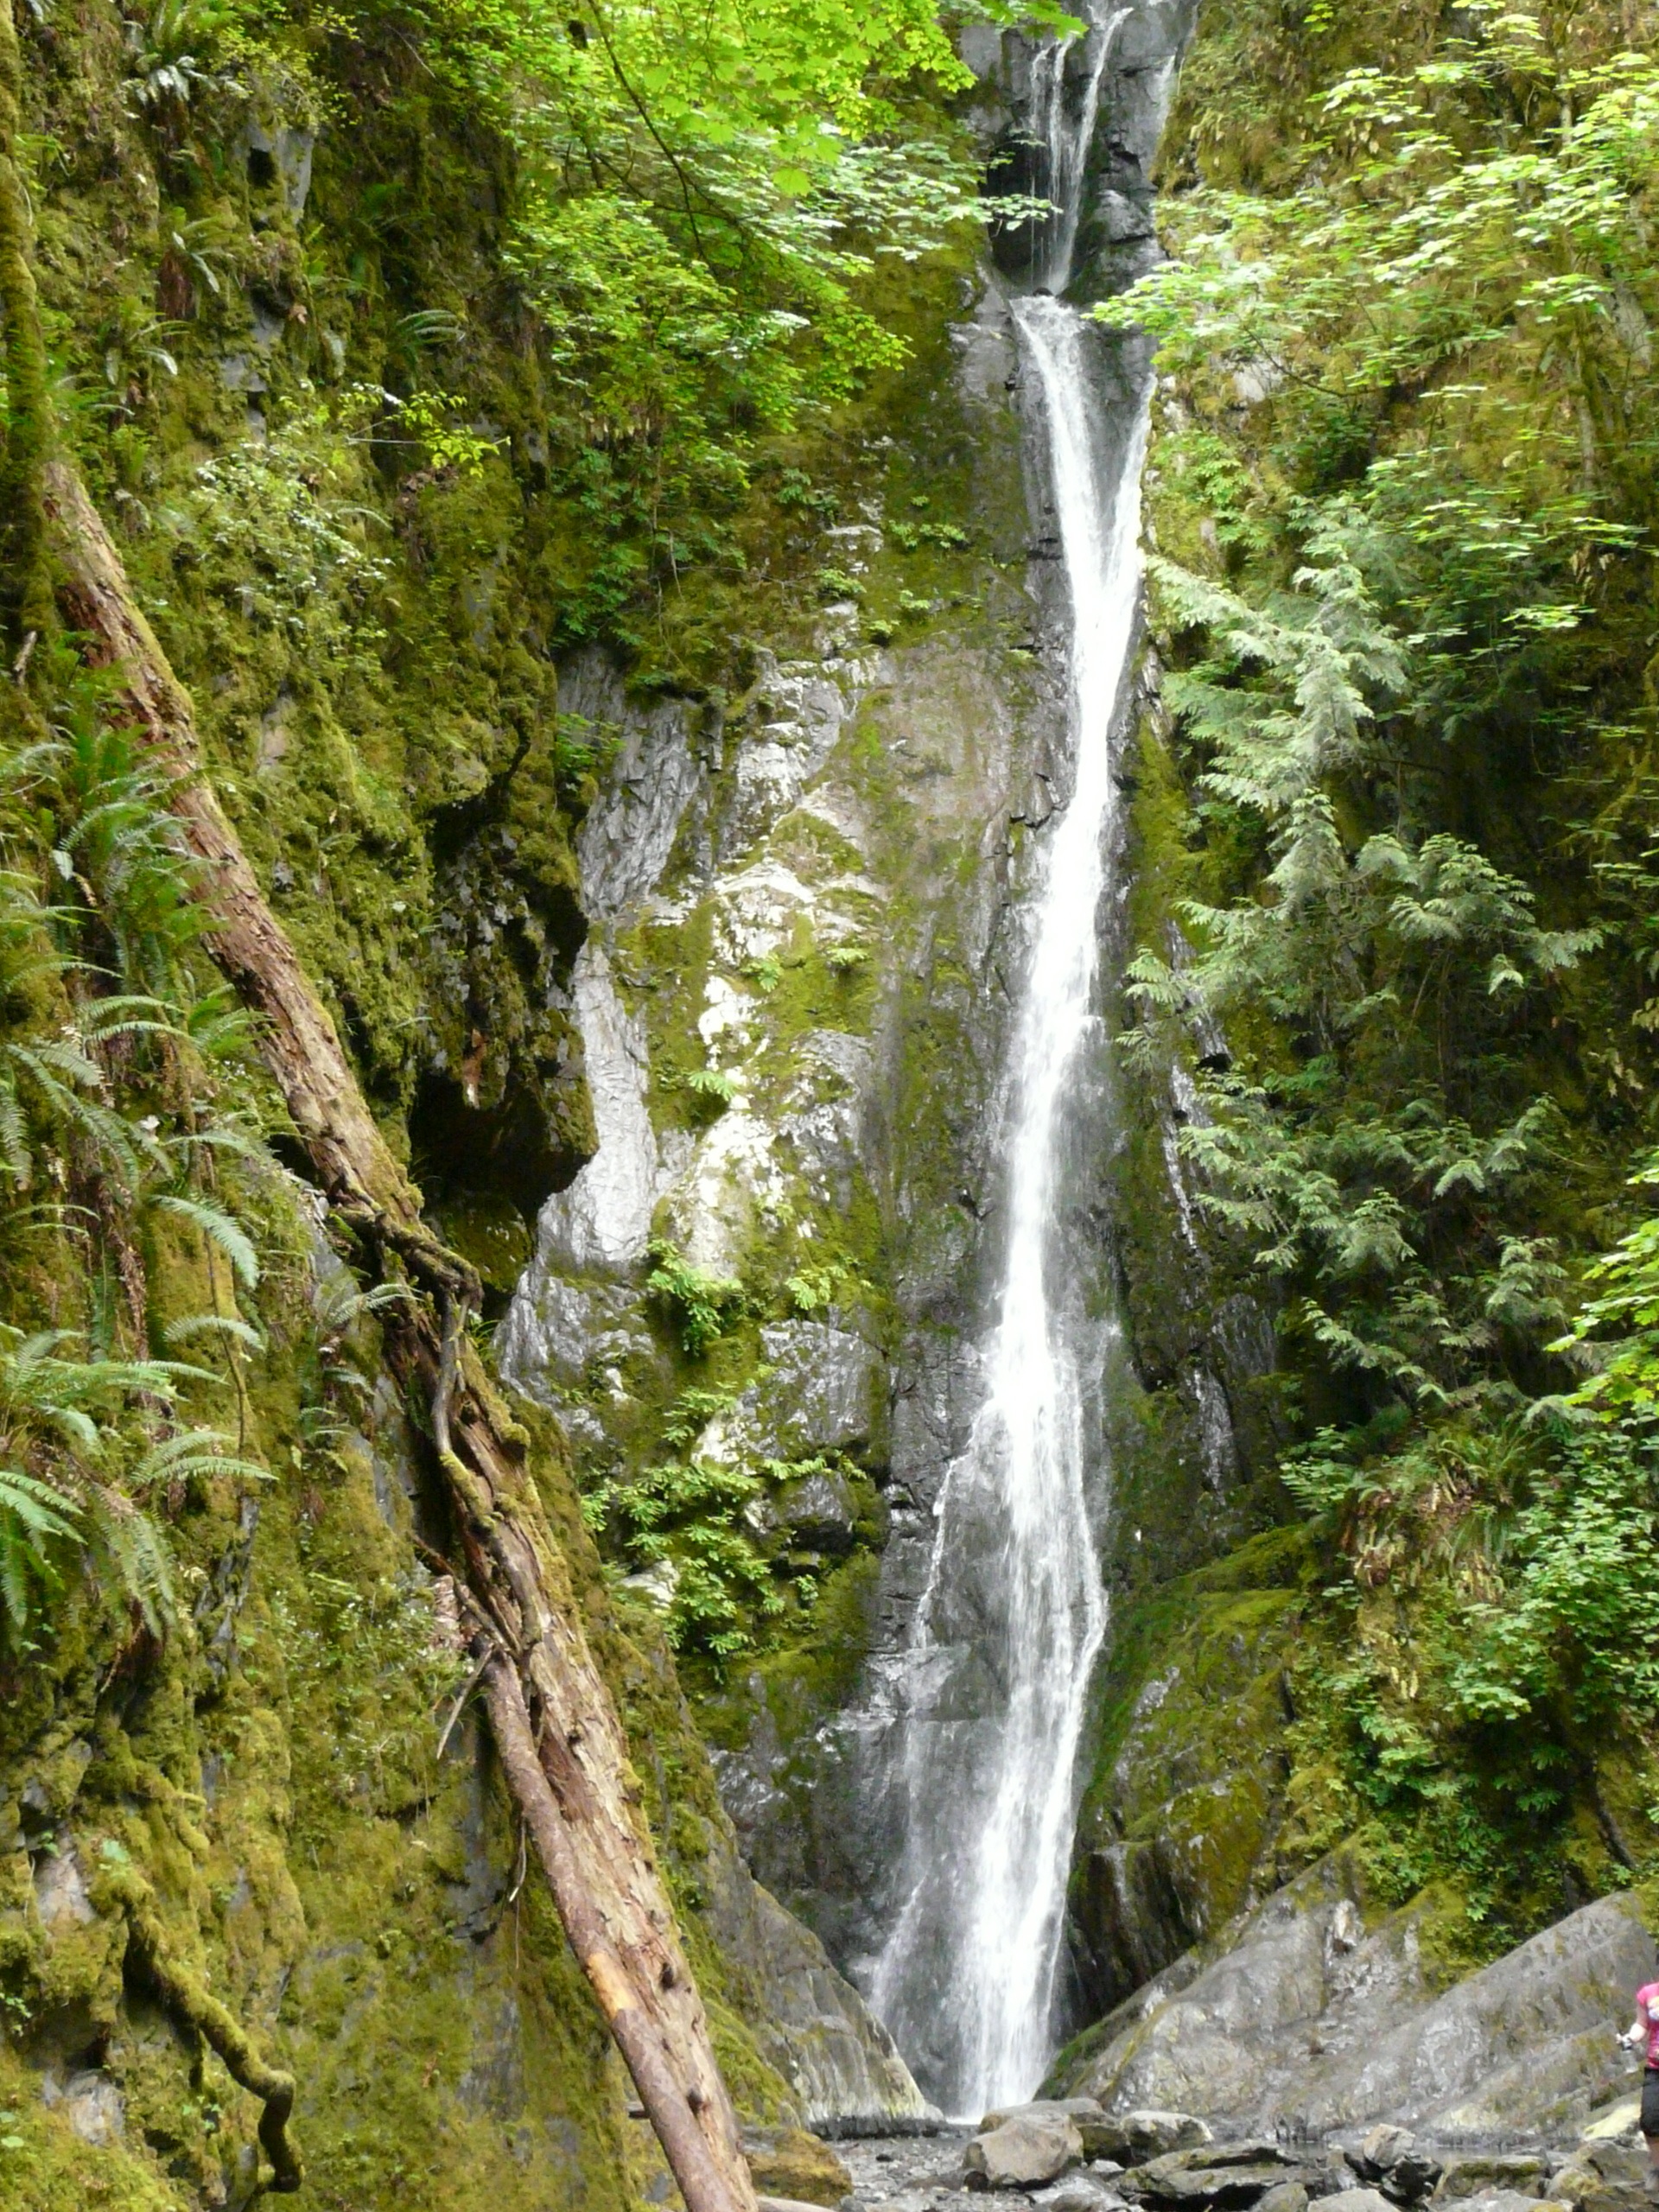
792, 2164
1308, 2018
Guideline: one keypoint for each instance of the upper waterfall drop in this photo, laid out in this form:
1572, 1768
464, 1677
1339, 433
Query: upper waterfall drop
1012, 1619
1066, 147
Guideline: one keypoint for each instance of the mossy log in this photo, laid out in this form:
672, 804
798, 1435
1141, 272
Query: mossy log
557, 1729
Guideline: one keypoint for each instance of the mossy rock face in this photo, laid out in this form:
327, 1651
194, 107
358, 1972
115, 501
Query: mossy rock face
269, 1774
788, 2161
1186, 1797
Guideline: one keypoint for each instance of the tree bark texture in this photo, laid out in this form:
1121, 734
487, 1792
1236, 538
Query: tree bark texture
556, 1727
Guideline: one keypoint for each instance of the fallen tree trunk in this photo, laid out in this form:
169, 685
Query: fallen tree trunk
556, 1730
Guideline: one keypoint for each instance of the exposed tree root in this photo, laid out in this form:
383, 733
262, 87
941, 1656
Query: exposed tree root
193, 2006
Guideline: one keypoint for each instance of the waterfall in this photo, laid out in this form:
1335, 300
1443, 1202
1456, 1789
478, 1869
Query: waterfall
1065, 141
1014, 1612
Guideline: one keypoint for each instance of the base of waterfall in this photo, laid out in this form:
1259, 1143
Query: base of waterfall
1310, 2059
1386, 2169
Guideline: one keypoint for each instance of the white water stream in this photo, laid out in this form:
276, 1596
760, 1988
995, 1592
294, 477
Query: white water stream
1014, 1612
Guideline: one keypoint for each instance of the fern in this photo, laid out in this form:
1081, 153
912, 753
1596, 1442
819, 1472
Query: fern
34, 1516
704, 1304
195, 1454
217, 1227
229, 1326
139, 1554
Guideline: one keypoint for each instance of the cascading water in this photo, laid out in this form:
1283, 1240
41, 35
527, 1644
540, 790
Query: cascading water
1064, 141
1014, 1612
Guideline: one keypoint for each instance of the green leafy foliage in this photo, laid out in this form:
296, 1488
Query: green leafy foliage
1401, 480
702, 194
108, 1059
703, 1304
688, 1519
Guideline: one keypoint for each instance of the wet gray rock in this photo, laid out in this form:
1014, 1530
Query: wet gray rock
812, 2024
602, 1221
1029, 2147
801, 713
1350, 2200
1602, 2177
1227, 2177
1503, 2200
90, 2102
1082, 2192
629, 832
1277, 2023
1381, 2150
1283, 2197
1392, 2159
558, 1331
820, 1515
819, 1397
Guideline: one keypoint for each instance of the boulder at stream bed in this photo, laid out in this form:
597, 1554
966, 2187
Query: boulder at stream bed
788, 2162
1029, 2147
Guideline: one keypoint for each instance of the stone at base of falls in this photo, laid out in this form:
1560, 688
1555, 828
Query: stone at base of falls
1283, 2197
1382, 2152
1228, 2177
1082, 2192
1622, 2118
1480, 2177
1513, 2200
1136, 2136
1029, 2147
1602, 2177
791, 2164
1392, 2159
1128, 2139
1351, 2200
1309, 2014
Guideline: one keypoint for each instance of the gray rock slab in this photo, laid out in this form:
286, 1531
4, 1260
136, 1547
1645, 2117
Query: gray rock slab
1504, 2200
1283, 2197
840, 2062
1479, 2177
818, 1396
1276, 2025
1082, 2192
1383, 2148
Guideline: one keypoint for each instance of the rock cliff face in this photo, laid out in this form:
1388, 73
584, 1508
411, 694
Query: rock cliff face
806, 923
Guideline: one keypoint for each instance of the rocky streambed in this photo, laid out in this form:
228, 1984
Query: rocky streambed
1069, 2156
